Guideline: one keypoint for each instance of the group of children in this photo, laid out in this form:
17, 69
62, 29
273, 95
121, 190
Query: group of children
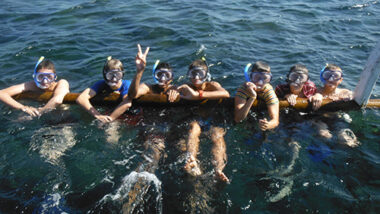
257, 86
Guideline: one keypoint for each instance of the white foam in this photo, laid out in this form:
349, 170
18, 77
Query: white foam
128, 183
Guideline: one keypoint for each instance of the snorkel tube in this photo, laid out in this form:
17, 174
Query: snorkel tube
321, 75
35, 73
246, 72
154, 70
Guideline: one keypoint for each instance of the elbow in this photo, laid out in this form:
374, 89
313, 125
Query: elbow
132, 94
237, 118
226, 94
79, 100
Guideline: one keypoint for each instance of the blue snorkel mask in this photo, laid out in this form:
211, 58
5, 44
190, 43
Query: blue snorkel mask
40, 77
335, 78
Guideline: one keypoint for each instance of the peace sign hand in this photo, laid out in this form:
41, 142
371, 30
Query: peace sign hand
141, 58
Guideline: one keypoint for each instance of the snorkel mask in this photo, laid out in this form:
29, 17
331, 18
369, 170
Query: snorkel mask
161, 76
112, 77
199, 74
331, 76
257, 77
297, 77
43, 80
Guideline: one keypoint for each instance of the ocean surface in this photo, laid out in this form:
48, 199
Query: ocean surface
66, 162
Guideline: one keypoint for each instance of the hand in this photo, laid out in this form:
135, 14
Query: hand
141, 58
189, 93
104, 118
172, 95
316, 101
292, 99
264, 124
31, 111
251, 89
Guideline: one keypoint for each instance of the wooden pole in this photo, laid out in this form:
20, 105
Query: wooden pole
368, 78
161, 100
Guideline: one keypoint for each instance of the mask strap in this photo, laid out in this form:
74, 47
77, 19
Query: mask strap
154, 70
246, 72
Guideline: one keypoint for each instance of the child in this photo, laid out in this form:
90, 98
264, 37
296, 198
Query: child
332, 76
298, 85
45, 80
257, 86
163, 76
198, 89
113, 73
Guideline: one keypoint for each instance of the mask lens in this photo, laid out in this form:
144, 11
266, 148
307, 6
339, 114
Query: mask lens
163, 75
257, 76
114, 74
197, 73
332, 75
294, 76
49, 77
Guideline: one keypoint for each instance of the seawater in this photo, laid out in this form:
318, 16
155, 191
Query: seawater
67, 162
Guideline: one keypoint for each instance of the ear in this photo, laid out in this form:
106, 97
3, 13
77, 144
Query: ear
340, 81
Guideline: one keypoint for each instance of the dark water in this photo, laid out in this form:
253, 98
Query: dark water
67, 162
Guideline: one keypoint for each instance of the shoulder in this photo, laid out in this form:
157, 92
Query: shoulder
214, 84
62, 82
268, 87
98, 85
282, 87
345, 94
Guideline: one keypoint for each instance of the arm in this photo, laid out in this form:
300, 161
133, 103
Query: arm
142, 90
84, 100
6, 97
59, 93
316, 101
346, 95
273, 111
242, 108
215, 91
140, 67
121, 108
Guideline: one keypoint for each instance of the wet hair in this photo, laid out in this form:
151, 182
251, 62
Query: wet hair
199, 63
333, 67
164, 65
299, 67
113, 64
47, 64
260, 66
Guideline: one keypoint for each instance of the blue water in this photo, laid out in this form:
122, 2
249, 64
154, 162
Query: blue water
67, 162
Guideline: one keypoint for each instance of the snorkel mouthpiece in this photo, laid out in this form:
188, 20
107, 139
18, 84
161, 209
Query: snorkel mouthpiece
246, 72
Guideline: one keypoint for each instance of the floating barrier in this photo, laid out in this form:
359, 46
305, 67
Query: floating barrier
161, 100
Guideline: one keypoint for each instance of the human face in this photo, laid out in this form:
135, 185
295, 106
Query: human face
113, 77
297, 79
163, 76
44, 78
197, 75
260, 78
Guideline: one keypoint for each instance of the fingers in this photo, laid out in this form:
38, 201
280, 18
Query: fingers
146, 51
31, 111
139, 49
172, 95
